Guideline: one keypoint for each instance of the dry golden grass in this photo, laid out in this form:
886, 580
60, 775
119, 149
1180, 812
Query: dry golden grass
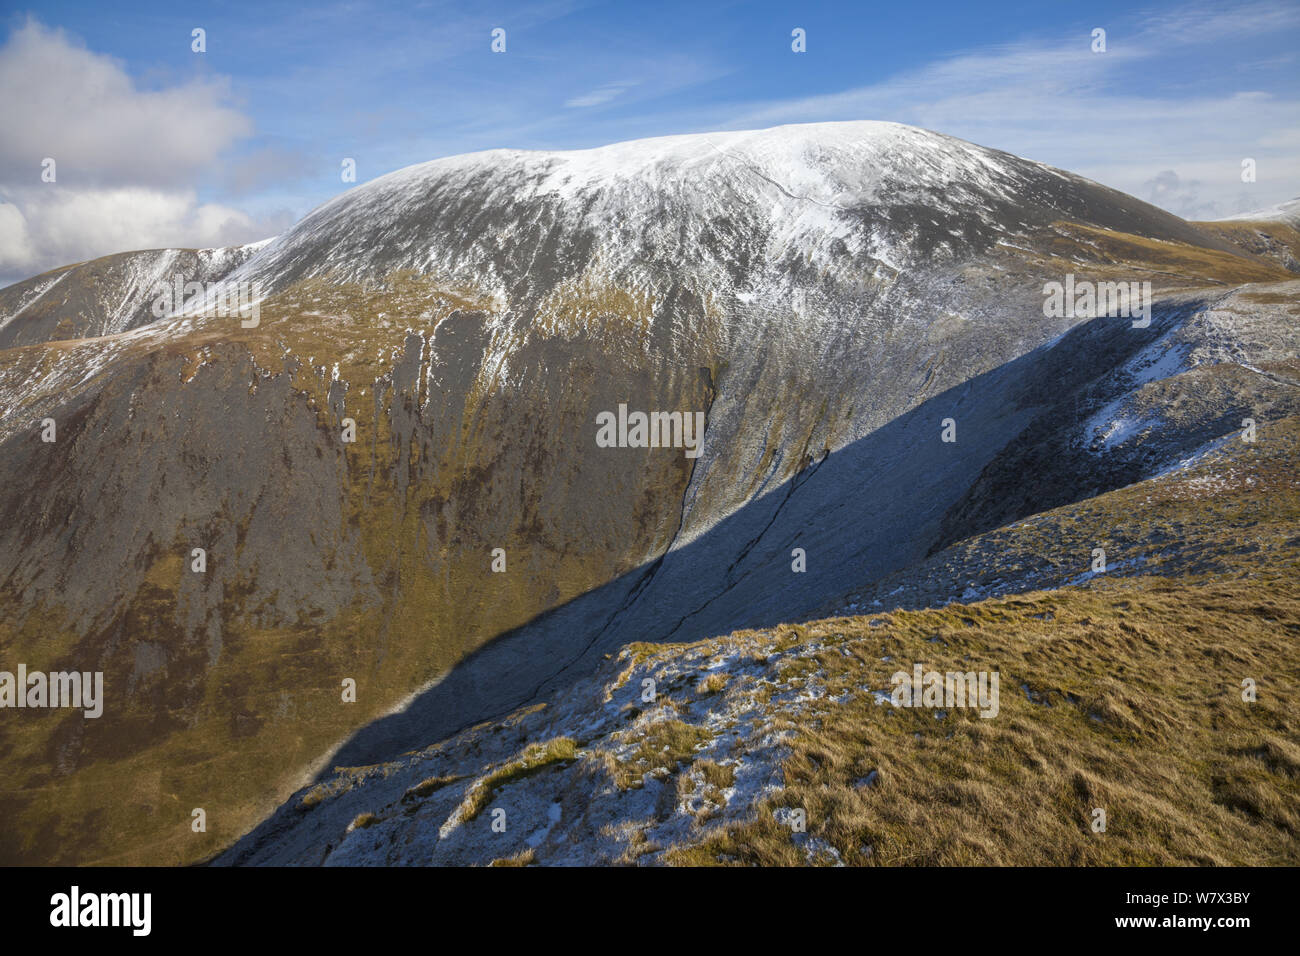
1109, 255
1177, 262
1136, 709
713, 683
535, 758
663, 746
431, 785
362, 821
1273, 240
525, 857
716, 775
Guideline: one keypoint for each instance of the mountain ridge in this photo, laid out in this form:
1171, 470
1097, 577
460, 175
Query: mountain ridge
471, 335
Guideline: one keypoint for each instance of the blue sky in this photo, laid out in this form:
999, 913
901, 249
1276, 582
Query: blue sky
158, 145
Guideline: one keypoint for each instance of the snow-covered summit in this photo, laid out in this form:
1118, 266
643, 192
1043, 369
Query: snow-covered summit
817, 161
1287, 212
727, 210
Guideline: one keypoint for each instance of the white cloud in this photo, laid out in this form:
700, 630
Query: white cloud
15, 244
55, 228
126, 159
82, 109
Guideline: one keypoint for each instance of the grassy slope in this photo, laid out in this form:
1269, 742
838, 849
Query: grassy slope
1135, 709
1275, 240
1106, 254
1123, 693
246, 744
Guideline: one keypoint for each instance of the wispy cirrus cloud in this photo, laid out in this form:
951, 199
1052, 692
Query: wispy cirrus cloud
599, 96
1106, 115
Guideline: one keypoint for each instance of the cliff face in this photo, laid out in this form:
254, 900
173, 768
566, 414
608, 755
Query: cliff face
1118, 689
826, 296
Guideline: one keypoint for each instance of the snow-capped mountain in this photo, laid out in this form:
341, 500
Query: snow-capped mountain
831, 300
741, 213
1287, 212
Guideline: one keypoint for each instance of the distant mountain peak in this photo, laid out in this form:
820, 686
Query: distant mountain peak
1287, 212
